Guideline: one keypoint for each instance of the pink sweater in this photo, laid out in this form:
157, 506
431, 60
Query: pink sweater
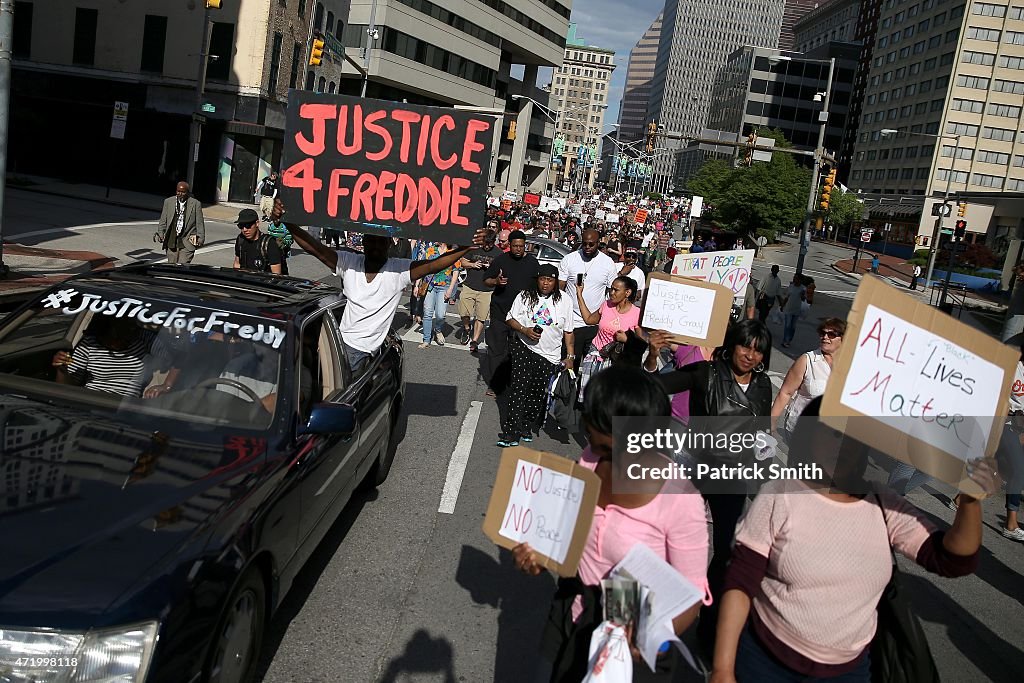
673, 525
827, 564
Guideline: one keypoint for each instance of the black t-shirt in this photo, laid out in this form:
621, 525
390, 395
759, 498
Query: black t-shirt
269, 187
520, 273
475, 276
258, 254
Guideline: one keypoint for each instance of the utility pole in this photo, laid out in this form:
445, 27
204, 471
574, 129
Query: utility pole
196, 129
6, 39
819, 153
371, 37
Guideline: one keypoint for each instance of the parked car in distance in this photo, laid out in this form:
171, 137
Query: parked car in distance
177, 441
546, 250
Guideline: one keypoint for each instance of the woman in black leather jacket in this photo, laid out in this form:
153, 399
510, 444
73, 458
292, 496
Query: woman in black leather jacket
733, 394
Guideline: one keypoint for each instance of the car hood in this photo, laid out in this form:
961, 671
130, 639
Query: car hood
92, 507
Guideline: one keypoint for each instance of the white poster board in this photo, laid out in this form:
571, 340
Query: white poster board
693, 312
696, 205
611, 218
728, 268
600, 214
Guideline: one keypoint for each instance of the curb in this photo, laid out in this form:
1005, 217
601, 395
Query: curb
229, 216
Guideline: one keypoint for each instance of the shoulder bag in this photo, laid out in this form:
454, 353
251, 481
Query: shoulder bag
899, 650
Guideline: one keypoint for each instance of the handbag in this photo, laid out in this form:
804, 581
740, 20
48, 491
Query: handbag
899, 650
421, 288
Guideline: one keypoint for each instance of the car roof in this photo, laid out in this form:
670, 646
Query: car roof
240, 289
554, 244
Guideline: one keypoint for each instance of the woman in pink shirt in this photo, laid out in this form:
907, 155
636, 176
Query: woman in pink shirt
615, 317
812, 559
667, 516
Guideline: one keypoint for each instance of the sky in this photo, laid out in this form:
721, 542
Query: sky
615, 25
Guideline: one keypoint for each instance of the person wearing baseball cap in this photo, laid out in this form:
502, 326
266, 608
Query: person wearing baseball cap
255, 250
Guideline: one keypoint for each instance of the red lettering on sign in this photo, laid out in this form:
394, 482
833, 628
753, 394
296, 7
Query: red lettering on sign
336, 191
879, 384
362, 196
303, 176
876, 334
406, 197
529, 478
521, 518
435, 143
424, 139
458, 199
471, 145
406, 118
370, 123
357, 130
318, 114
387, 178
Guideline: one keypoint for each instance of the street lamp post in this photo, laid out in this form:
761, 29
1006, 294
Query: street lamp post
933, 252
371, 37
618, 152
819, 152
196, 129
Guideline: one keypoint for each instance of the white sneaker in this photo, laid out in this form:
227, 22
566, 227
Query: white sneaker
1014, 535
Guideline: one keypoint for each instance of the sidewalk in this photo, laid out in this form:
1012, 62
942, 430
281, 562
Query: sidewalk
33, 268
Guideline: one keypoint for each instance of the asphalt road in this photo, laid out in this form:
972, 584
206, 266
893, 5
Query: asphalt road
400, 591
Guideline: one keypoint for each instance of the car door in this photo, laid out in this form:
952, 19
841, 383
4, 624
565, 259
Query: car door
328, 466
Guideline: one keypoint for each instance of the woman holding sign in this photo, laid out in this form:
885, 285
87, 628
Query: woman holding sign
734, 389
667, 516
542, 318
614, 319
813, 559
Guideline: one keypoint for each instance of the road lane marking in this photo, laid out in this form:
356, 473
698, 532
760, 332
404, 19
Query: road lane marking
459, 460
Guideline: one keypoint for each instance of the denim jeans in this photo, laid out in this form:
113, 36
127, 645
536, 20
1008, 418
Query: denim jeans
434, 308
755, 664
790, 329
355, 357
1010, 458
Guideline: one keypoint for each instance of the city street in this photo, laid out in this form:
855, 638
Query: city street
407, 588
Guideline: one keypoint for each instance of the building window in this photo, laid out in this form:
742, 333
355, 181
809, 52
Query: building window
989, 157
321, 85
984, 9
331, 87
961, 152
154, 38
329, 27
972, 106
922, 174
293, 79
1015, 87
275, 64
976, 82
1001, 134
318, 16
84, 50
1015, 37
983, 180
302, 9
954, 128
969, 57
1004, 110
943, 174
22, 43
1011, 62
222, 41
988, 34
1018, 160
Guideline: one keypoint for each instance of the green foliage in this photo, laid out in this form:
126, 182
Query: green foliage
766, 196
844, 208
654, 195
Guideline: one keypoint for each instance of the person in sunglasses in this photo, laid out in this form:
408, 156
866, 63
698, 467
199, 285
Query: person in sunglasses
808, 376
631, 270
255, 250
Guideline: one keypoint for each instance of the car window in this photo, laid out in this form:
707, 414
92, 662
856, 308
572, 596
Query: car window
321, 376
549, 253
137, 354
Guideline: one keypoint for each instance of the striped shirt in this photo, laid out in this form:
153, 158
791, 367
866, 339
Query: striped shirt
114, 372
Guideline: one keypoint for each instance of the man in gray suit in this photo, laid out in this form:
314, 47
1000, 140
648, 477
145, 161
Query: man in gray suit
181, 229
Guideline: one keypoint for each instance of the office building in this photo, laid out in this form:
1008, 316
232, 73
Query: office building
792, 13
947, 79
763, 88
464, 52
639, 74
829, 22
71, 64
579, 97
697, 36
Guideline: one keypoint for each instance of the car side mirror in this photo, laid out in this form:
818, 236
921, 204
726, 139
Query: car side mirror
336, 419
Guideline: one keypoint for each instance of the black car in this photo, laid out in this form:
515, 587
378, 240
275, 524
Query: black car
175, 442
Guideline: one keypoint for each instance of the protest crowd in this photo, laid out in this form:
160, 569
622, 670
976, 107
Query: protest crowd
615, 318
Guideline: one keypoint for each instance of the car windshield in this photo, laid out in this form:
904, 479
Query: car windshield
146, 355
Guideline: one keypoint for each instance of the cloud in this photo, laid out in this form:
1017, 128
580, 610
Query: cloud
615, 25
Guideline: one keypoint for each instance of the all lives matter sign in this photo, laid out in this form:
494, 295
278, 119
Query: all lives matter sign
386, 167
916, 384
544, 500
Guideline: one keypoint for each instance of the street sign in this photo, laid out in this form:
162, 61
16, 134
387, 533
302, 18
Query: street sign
947, 231
942, 210
120, 120
208, 108
865, 235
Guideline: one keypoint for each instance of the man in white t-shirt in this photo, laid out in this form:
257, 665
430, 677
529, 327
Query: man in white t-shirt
373, 284
596, 270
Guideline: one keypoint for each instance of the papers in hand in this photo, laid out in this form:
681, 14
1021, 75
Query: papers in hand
665, 593
769, 450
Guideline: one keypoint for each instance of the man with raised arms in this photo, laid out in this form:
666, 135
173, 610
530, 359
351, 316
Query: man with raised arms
373, 284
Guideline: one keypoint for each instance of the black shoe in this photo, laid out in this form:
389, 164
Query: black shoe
505, 441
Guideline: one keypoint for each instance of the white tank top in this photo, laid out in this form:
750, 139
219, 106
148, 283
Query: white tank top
816, 373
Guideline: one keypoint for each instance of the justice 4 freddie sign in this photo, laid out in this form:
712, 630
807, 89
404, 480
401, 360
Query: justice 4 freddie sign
386, 167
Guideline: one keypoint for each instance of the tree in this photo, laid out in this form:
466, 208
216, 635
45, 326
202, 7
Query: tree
709, 182
844, 208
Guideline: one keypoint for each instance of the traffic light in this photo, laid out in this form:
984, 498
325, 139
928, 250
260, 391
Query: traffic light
511, 130
960, 229
316, 54
826, 191
962, 210
652, 132
751, 143
212, 4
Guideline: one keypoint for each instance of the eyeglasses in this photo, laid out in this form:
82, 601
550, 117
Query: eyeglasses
246, 227
829, 334
630, 255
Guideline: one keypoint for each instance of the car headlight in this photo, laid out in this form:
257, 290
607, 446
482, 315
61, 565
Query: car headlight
117, 655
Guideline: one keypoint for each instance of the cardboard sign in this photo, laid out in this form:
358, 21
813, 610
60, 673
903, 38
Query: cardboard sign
386, 167
545, 500
641, 216
510, 195
600, 214
506, 204
919, 385
729, 268
531, 199
693, 312
611, 218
